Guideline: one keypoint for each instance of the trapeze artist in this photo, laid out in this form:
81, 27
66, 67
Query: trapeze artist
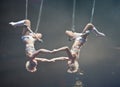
29, 38
79, 41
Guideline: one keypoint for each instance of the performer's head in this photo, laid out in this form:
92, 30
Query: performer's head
38, 35
31, 65
73, 68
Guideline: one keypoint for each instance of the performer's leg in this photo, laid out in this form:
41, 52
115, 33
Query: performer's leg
90, 27
69, 33
21, 23
98, 33
40, 51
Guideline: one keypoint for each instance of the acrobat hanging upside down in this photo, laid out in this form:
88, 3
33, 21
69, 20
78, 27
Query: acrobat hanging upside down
29, 38
79, 41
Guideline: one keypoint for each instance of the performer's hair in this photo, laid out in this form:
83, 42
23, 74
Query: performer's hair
31, 66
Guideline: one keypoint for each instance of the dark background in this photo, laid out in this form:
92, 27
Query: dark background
99, 59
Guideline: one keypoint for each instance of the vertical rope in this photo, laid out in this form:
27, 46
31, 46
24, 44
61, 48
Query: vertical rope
73, 19
92, 13
73, 15
39, 16
26, 10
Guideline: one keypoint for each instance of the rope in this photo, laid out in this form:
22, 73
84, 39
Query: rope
73, 16
92, 13
73, 19
26, 10
39, 17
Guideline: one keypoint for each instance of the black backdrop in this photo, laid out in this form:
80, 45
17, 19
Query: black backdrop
99, 59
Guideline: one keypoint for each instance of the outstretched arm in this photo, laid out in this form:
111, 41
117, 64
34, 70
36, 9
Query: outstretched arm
66, 49
52, 60
60, 49
37, 52
59, 59
42, 60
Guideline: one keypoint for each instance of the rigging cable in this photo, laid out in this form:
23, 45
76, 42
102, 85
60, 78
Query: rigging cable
39, 16
92, 13
26, 16
73, 19
73, 16
26, 10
